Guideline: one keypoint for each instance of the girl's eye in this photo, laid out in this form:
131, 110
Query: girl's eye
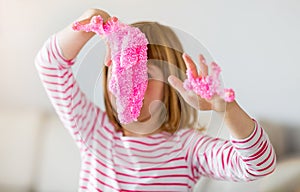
149, 75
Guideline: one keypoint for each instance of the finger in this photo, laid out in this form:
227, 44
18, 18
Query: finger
203, 66
107, 60
177, 84
190, 64
84, 21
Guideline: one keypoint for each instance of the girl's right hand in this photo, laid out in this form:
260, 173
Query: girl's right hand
85, 19
72, 41
88, 14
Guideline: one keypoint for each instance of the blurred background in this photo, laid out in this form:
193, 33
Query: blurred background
255, 42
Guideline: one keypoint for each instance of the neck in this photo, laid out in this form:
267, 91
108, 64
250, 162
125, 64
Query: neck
132, 134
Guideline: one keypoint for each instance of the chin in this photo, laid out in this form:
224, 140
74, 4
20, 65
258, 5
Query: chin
143, 118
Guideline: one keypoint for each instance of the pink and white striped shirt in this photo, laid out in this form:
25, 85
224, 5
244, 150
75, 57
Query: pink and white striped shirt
160, 162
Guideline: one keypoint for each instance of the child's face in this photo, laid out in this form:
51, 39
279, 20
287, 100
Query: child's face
154, 92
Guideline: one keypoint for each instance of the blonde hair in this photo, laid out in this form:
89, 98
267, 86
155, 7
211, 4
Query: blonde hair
166, 50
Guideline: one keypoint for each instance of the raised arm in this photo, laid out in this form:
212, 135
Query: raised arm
237, 120
71, 41
247, 156
53, 62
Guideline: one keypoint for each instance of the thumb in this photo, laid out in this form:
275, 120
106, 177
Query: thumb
176, 84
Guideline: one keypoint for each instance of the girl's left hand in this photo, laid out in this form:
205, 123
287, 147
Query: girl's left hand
216, 103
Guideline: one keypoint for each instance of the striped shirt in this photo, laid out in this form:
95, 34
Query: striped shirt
159, 162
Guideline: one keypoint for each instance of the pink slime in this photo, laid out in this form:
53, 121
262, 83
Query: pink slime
208, 86
129, 77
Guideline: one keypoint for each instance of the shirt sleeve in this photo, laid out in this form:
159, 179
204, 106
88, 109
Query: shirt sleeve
235, 159
79, 115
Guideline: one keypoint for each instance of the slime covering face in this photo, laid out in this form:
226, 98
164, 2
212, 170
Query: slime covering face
129, 77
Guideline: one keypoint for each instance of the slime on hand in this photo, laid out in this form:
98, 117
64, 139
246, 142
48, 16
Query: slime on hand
208, 86
129, 77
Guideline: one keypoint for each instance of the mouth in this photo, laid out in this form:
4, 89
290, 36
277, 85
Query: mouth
141, 118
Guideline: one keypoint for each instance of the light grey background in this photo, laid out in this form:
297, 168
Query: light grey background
255, 42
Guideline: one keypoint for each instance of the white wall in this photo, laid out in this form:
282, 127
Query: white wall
255, 42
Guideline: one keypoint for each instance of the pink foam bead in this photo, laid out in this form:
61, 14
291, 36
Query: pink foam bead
229, 95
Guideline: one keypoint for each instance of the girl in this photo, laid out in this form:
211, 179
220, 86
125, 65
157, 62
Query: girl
155, 153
